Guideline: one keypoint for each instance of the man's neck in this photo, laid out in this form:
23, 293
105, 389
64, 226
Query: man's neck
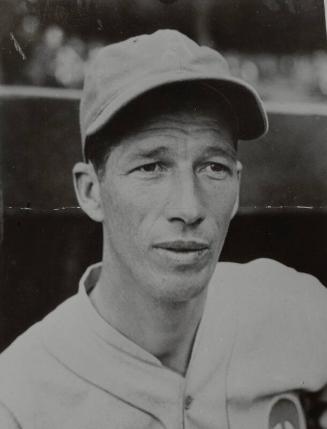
166, 330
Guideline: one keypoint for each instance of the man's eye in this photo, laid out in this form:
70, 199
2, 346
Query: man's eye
217, 170
152, 167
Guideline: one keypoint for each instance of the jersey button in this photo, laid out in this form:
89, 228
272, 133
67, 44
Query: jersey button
188, 402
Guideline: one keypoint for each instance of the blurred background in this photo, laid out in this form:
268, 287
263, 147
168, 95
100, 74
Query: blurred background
278, 45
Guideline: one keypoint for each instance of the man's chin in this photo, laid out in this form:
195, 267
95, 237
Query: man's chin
180, 286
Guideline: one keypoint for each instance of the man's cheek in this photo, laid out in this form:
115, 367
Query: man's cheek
125, 218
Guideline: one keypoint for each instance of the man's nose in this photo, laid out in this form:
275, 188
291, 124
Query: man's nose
185, 201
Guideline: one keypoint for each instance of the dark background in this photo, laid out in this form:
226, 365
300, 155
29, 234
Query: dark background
278, 45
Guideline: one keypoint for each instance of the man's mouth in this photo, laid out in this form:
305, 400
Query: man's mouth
182, 246
183, 254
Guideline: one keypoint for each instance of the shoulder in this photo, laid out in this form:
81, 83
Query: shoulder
282, 319
20, 355
267, 278
266, 290
18, 371
27, 369
29, 344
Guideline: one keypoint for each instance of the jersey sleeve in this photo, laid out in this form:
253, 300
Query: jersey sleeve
281, 341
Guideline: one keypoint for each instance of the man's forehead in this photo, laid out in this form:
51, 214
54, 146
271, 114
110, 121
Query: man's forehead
155, 150
170, 134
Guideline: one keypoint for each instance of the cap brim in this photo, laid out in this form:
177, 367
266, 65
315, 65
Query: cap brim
252, 117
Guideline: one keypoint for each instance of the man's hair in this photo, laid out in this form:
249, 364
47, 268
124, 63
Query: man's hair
98, 147
173, 97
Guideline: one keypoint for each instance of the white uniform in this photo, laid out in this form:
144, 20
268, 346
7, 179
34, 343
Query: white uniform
262, 338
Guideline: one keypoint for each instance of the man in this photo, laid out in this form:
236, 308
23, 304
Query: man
159, 334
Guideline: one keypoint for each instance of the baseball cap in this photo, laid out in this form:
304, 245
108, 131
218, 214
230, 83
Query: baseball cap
124, 71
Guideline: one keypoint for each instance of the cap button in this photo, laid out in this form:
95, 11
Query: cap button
188, 402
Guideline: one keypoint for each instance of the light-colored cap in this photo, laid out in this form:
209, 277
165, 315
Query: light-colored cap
123, 71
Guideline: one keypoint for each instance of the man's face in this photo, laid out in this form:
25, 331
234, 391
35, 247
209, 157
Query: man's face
169, 191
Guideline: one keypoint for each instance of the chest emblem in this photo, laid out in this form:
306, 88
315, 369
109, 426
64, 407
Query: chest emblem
284, 415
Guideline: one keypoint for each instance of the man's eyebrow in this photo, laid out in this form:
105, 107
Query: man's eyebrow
228, 151
148, 152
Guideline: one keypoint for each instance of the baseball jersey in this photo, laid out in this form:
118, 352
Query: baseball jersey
262, 339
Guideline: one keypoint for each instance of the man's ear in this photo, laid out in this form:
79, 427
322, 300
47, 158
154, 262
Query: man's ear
87, 189
237, 199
